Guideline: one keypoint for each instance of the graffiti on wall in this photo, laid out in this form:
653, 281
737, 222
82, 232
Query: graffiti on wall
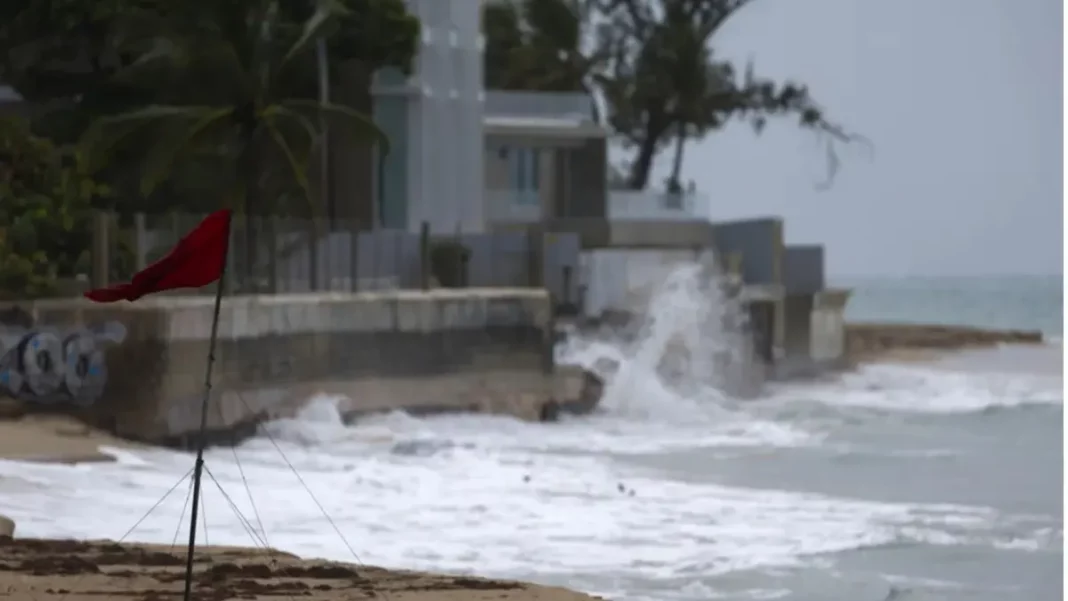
46, 365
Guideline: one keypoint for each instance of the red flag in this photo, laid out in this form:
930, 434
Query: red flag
197, 260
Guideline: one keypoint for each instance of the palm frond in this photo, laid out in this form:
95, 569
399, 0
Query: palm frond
100, 140
159, 62
298, 165
326, 13
281, 113
179, 138
350, 121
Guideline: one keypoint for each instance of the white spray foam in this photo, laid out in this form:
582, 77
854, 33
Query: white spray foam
482, 512
928, 389
690, 348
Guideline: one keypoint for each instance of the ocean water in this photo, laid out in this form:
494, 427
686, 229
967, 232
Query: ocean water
1007, 302
938, 481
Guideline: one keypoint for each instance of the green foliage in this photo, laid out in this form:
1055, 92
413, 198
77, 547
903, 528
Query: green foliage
46, 203
377, 33
538, 45
180, 92
651, 61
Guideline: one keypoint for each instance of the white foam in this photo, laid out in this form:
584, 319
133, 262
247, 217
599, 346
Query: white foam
918, 388
476, 502
122, 456
486, 495
690, 347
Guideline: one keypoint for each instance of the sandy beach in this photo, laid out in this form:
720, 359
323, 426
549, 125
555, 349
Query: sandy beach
37, 570
52, 438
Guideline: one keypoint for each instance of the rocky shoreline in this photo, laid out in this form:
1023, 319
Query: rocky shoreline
873, 342
38, 570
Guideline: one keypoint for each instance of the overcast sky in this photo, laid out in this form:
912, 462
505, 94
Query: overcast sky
963, 101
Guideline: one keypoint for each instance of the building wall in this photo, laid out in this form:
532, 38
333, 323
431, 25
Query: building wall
759, 242
802, 268
392, 115
520, 175
798, 313
570, 178
828, 326
434, 119
583, 192
623, 280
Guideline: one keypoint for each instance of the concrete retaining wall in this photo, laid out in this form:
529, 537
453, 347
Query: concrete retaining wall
814, 334
828, 326
138, 368
620, 279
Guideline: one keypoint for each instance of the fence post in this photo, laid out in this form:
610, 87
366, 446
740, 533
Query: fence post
566, 284
424, 256
271, 223
536, 258
313, 254
140, 242
101, 249
462, 258
354, 254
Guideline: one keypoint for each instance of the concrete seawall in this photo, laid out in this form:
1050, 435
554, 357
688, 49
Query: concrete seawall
137, 369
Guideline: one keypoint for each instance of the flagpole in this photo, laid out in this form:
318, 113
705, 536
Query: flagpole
198, 468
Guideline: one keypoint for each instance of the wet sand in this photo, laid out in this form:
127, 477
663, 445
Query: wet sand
38, 570
51, 438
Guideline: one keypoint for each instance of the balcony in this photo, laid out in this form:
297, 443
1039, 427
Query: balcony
569, 106
627, 205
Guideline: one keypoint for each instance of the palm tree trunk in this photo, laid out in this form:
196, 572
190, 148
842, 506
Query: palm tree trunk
675, 182
249, 172
642, 165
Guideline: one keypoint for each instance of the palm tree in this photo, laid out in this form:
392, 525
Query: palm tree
229, 76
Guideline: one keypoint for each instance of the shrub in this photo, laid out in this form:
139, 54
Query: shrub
46, 203
448, 263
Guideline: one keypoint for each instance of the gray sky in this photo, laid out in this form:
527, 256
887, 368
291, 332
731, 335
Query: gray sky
963, 101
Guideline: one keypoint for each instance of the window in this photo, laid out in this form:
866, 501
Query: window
525, 167
534, 168
519, 172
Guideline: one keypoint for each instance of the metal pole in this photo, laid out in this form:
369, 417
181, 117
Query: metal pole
198, 468
324, 97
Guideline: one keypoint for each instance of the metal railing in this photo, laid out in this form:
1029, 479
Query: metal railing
633, 205
287, 255
572, 105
